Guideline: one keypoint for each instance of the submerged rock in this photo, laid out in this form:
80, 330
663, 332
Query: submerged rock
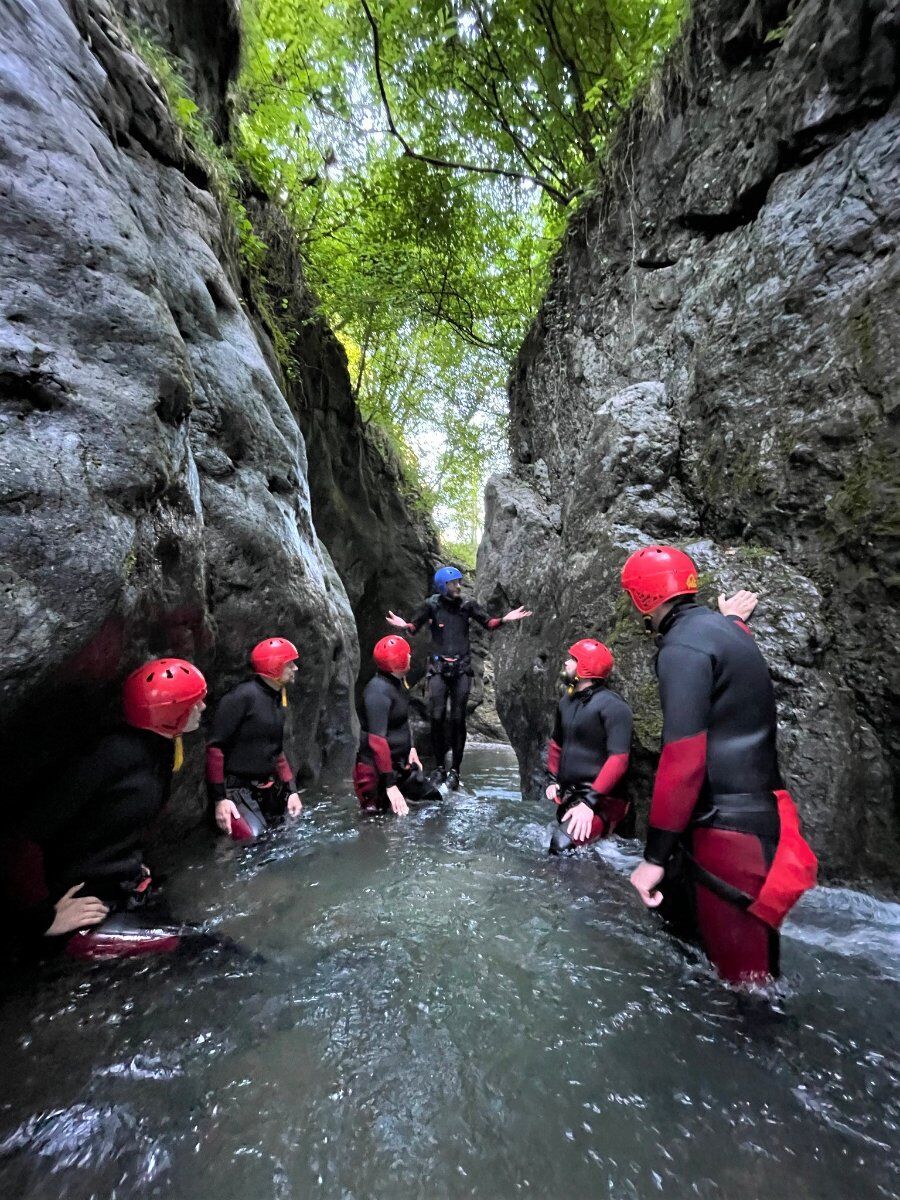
716, 364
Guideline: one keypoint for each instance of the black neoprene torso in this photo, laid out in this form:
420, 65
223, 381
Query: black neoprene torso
590, 726
248, 727
384, 713
92, 827
449, 622
713, 679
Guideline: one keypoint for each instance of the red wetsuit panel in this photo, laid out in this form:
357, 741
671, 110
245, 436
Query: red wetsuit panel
611, 773
679, 777
382, 753
741, 947
554, 751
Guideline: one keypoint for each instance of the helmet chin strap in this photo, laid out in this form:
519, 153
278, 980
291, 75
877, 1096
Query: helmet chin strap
178, 761
647, 622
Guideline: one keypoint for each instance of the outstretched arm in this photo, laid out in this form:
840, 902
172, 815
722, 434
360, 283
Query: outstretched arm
484, 619
413, 626
738, 607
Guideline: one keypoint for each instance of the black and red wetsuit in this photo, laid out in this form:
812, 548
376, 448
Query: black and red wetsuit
91, 829
450, 669
385, 744
588, 757
245, 759
714, 794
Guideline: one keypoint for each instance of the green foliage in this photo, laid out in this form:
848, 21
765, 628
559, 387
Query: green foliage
427, 154
192, 121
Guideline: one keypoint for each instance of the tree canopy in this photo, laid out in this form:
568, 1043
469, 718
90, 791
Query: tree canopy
428, 153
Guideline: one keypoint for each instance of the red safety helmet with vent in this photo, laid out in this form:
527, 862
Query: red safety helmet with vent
656, 574
593, 658
161, 694
270, 656
392, 653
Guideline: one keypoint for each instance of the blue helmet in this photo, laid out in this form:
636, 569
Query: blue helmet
445, 575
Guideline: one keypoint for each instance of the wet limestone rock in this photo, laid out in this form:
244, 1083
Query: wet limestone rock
153, 478
716, 364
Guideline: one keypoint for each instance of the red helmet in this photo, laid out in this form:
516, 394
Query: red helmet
271, 656
160, 695
593, 658
392, 653
656, 574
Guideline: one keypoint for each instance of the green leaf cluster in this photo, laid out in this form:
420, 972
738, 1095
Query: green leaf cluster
427, 154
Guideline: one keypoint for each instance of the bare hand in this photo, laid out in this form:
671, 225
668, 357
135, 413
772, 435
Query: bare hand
75, 912
294, 805
398, 801
579, 819
518, 614
646, 878
397, 622
225, 814
414, 760
740, 605
552, 793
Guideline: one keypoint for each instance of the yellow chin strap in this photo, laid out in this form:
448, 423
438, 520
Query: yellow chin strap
178, 762
284, 697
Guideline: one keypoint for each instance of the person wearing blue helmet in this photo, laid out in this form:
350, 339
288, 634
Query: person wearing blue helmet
449, 676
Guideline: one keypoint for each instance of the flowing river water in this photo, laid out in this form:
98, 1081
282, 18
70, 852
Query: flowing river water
435, 1008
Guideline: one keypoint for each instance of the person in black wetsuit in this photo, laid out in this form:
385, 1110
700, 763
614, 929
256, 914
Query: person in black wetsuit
449, 676
388, 769
587, 757
719, 802
249, 780
88, 836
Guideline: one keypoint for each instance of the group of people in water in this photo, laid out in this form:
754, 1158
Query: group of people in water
724, 855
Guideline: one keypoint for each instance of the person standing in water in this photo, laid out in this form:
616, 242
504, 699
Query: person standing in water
388, 769
719, 803
587, 757
87, 839
249, 780
449, 675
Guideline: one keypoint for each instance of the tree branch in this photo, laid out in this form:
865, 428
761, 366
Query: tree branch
430, 159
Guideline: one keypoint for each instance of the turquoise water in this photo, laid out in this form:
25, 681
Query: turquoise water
436, 1009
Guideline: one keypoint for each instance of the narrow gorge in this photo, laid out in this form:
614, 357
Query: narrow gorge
178, 475
716, 365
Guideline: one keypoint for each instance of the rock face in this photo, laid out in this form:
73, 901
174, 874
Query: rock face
716, 364
154, 477
381, 540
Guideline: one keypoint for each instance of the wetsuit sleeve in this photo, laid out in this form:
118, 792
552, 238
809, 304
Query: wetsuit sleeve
284, 771
419, 617
378, 710
554, 747
618, 722
685, 693
741, 624
225, 724
477, 613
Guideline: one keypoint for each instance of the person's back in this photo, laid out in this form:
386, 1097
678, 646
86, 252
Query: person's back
384, 716
708, 660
